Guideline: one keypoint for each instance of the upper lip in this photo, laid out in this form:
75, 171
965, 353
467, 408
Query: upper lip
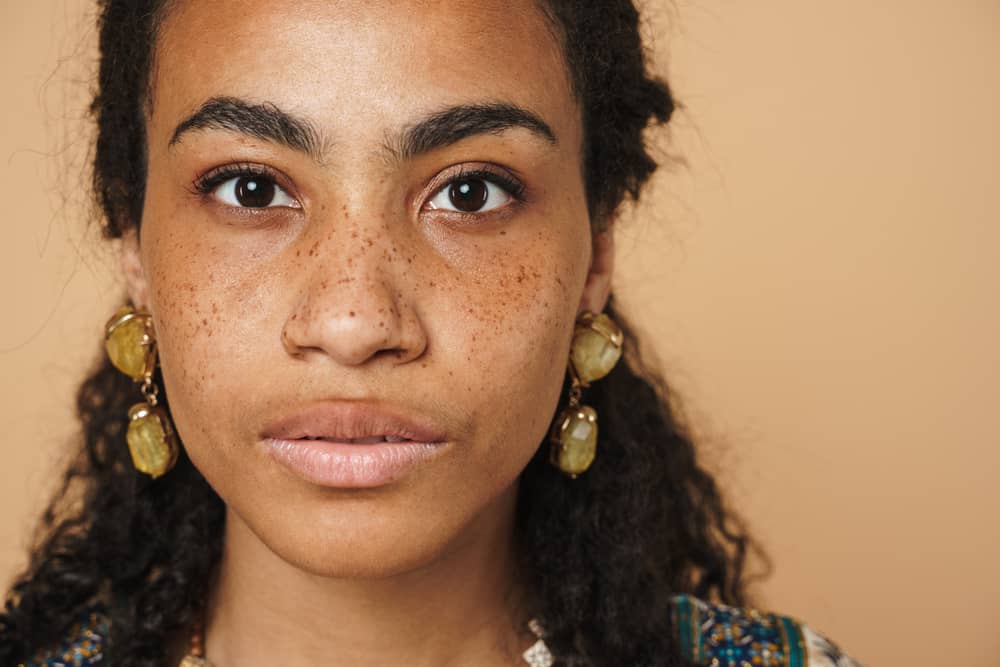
346, 420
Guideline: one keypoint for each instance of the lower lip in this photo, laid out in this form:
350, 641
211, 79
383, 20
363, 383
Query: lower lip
351, 465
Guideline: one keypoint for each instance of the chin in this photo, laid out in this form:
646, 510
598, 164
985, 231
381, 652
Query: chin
364, 534
362, 544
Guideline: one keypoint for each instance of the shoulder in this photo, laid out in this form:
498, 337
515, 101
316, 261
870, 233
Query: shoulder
715, 634
82, 645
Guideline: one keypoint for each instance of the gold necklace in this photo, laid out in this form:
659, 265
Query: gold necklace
538, 655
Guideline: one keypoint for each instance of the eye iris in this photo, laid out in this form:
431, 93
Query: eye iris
254, 192
468, 195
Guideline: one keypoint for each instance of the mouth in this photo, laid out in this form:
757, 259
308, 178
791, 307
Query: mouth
352, 444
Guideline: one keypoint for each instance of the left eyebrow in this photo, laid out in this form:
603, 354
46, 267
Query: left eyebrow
458, 122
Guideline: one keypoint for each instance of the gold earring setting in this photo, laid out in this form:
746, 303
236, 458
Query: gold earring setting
596, 348
130, 345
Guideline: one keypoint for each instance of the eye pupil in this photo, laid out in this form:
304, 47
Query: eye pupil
468, 195
254, 192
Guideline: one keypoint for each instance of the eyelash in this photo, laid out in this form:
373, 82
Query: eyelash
208, 182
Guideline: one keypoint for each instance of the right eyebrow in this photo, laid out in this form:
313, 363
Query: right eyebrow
264, 121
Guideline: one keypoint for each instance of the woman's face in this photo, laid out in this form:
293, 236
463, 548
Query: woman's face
356, 207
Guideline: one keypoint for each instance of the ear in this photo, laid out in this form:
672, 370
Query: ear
602, 262
131, 264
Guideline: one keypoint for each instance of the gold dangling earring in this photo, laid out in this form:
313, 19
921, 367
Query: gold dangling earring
596, 348
131, 347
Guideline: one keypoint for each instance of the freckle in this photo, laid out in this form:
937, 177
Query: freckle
352, 313
294, 317
324, 284
423, 364
503, 232
382, 323
298, 253
432, 283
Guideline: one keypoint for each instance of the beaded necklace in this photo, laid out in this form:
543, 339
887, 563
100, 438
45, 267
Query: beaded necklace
538, 655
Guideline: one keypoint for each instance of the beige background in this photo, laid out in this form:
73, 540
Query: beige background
820, 281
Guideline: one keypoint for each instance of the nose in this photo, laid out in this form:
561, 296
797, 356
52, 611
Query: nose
350, 305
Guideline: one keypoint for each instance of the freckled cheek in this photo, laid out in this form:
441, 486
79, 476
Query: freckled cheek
193, 341
519, 317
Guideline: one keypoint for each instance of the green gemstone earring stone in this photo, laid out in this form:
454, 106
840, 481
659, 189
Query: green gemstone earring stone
150, 440
575, 439
596, 347
129, 343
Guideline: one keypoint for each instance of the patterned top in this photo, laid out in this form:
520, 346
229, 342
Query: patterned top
712, 635
716, 635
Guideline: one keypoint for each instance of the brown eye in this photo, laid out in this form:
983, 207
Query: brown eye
468, 196
471, 195
251, 191
254, 192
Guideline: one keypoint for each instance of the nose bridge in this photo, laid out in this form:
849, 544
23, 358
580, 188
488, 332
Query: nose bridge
350, 306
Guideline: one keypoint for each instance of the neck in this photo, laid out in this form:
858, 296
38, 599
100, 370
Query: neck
463, 608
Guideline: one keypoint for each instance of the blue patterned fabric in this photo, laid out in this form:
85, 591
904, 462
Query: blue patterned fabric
717, 635
736, 637
709, 634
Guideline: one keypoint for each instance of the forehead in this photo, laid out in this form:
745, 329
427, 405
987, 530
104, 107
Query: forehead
362, 64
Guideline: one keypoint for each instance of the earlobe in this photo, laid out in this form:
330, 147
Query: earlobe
598, 285
131, 264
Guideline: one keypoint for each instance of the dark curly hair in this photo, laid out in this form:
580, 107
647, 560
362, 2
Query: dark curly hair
601, 554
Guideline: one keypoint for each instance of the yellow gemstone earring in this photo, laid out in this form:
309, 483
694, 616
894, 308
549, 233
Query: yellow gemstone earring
596, 348
131, 347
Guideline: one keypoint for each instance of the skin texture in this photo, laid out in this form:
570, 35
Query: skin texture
359, 291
